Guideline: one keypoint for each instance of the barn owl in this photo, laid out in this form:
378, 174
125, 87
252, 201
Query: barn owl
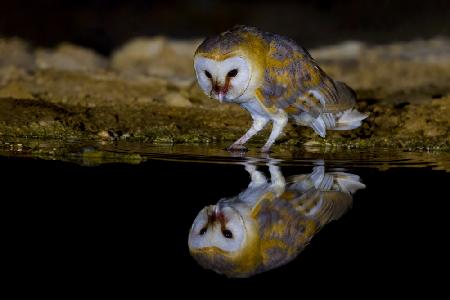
269, 223
275, 80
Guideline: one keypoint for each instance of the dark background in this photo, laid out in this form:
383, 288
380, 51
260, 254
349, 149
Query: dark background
121, 229
105, 24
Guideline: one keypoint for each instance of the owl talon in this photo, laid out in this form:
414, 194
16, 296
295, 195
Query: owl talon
237, 148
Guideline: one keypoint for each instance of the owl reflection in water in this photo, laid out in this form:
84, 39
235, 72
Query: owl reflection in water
269, 223
275, 80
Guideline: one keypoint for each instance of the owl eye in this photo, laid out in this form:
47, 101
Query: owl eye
228, 234
208, 74
203, 230
232, 73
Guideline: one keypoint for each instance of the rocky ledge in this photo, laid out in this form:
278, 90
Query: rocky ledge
146, 92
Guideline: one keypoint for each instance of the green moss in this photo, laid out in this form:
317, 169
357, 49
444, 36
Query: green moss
58, 110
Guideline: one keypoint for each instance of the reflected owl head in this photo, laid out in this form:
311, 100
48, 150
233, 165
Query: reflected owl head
221, 227
221, 238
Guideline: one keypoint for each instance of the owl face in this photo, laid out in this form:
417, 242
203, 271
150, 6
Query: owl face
218, 227
223, 79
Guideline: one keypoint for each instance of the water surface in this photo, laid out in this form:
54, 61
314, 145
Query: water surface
78, 222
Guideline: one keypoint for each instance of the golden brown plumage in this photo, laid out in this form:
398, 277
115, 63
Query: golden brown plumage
283, 81
272, 221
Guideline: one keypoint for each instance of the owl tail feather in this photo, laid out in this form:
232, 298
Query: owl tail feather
350, 119
338, 201
348, 183
318, 125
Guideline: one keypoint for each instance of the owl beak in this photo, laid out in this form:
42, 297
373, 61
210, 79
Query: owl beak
220, 92
220, 96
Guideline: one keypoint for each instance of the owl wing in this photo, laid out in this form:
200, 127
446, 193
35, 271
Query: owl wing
295, 83
287, 223
323, 196
322, 206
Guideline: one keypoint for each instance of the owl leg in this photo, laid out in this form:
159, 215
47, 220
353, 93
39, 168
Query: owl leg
257, 126
257, 178
278, 183
279, 122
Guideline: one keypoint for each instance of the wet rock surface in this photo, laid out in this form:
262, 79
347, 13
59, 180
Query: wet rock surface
146, 93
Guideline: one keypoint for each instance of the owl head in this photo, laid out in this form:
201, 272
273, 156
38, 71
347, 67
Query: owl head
222, 238
229, 66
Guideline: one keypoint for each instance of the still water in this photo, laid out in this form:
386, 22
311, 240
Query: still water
325, 221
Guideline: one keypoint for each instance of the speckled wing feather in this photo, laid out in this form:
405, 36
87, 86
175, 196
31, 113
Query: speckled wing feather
283, 231
324, 196
289, 222
294, 82
321, 206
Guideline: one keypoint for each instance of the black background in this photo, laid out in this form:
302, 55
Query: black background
116, 228
105, 24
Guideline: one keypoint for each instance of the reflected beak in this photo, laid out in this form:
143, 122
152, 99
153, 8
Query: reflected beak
216, 216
